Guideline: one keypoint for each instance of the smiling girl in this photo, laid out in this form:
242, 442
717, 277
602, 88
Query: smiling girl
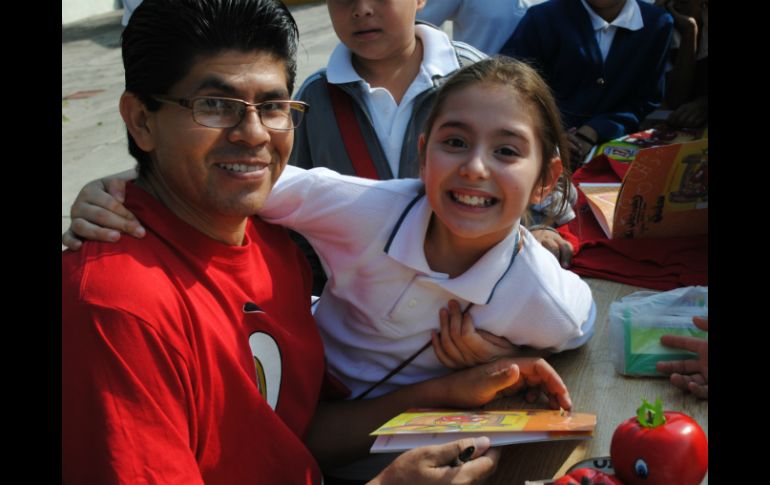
397, 250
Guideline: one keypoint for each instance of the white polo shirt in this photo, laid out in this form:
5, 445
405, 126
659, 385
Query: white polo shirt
484, 24
390, 119
630, 17
382, 299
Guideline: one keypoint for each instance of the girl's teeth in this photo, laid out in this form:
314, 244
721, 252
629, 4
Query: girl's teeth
473, 200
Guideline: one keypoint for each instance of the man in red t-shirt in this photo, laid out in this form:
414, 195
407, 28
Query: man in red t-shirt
191, 356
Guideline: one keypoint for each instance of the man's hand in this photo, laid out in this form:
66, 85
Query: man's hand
689, 375
536, 377
98, 214
439, 465
557, 245
479, 385
468, 388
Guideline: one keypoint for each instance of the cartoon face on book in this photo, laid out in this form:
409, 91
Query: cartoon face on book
694, 183
451, 422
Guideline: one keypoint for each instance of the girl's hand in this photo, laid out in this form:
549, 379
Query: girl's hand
98, 214
460, 345
437, 464
557, 245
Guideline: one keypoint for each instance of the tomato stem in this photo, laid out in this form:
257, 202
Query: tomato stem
651, 416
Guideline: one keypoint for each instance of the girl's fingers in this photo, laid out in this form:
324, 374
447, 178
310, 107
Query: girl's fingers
440, 354
678, 366
87, 230
701, 391
70, 241
701, 322
448, 345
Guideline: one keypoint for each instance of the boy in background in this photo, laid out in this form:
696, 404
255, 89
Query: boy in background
604, 59
484, 25
388, 70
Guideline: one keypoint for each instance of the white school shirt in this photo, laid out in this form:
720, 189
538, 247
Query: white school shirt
390, 120
484, 24
382, 299
629, 17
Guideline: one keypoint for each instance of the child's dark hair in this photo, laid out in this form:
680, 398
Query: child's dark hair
164, 38
530, 87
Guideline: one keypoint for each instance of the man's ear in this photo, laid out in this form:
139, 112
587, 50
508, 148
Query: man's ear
553, 172
136, 116
421, 154
421, 3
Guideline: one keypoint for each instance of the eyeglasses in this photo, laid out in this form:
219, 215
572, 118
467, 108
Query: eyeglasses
214, 112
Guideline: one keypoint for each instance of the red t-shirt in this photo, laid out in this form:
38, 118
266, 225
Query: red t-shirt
185, 360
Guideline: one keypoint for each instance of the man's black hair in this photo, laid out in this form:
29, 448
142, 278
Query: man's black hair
164, 38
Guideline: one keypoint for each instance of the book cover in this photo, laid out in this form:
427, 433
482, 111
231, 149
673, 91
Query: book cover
420, 427
664, 193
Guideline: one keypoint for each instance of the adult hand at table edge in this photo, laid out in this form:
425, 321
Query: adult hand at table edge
439, 464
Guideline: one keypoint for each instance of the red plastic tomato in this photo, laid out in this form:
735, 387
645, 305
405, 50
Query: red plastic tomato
657, 448
587, 476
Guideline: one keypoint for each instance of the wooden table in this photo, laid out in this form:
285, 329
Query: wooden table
596, 388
